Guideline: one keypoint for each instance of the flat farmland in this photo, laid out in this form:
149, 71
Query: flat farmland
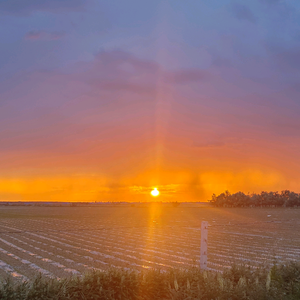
61, 241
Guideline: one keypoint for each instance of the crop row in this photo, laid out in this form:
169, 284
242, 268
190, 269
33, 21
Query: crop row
68, 247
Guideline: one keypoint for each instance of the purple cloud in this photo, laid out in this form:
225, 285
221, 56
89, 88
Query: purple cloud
43, 35
270, 1
289, 59
34, 35
122, 71
186, 76
127, 86
286, 59
119, 57
242, 12
88, 94
28, 6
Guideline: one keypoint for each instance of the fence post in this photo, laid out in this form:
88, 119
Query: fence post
203, 249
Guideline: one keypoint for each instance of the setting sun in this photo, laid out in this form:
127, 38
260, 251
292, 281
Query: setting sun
155, 192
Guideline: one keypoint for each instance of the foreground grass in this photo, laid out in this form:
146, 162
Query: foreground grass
279, 282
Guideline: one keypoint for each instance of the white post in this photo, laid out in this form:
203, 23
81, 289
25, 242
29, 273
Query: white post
203, 249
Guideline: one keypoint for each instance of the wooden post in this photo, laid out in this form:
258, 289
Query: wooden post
203, 249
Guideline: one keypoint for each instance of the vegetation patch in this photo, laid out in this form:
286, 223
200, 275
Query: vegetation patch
265, 199
239, 282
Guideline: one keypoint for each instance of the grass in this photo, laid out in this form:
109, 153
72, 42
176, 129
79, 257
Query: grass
279, 282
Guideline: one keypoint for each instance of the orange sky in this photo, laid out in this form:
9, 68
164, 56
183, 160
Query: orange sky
182, 174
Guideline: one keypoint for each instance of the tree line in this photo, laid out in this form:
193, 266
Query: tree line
285, 198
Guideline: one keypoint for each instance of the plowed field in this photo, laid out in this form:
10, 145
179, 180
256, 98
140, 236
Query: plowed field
61, 241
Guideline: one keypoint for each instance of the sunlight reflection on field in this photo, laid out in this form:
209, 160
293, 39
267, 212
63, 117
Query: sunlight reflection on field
60, 241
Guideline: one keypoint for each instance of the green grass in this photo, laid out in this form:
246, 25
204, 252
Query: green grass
279, 282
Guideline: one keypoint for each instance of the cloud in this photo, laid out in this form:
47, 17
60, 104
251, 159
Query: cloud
218, 141
21, 7
96, 105
34, 35
126, 86
126, 61
209, 144
221, 62
289, 58
101, 110
186, 76
43, 35
283, 9
286, 59
103, 113
121, 71
242, 12
270, 1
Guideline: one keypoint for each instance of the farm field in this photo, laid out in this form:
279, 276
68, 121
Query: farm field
61, 241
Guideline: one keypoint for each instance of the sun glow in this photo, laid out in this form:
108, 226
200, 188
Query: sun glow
155, 192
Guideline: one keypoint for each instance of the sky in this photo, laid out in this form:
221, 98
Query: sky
105, 100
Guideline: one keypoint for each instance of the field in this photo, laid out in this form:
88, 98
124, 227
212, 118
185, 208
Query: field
61, 241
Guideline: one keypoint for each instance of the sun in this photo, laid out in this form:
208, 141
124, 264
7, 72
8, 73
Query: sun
155, 192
